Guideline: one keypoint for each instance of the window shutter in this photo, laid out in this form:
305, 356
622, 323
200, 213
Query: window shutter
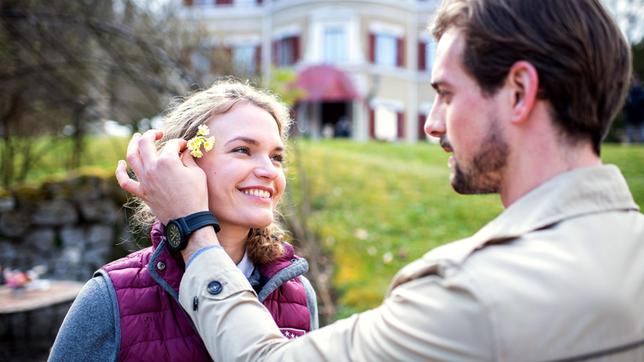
372, 123
224, 2
421, 126
259, 2
401, 125
422, 56
258, 59
372, 48
187, 2
295, 43
400, 52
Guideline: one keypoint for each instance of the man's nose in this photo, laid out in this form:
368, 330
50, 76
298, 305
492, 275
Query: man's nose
434, 125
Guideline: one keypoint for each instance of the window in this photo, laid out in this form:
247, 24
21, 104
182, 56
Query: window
426, 52
335, 45
244, 59
286, 51
385, 50
422, 118
386, 124
430, 54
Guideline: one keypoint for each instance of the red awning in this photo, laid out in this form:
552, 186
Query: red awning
324, 83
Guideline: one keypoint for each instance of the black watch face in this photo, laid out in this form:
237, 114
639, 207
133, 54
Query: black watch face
173, 234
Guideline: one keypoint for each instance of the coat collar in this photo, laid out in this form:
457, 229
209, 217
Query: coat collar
568, 195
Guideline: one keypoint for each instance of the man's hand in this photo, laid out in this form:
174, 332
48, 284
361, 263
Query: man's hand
170, 182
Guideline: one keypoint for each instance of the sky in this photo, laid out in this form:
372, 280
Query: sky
629, 15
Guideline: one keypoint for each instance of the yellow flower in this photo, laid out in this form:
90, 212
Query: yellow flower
208, 143
196, 153
203, 130
195, 143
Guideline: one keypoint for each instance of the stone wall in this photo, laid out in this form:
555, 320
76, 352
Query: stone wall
72, 227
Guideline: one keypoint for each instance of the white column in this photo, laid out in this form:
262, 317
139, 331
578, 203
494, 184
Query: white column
411, 108
360, 131
267, 46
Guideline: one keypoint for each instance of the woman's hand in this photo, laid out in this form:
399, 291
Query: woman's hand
169, 182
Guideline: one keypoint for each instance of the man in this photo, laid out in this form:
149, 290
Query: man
526, 90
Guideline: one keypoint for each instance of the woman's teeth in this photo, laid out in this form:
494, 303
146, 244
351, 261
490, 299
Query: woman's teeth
258, 193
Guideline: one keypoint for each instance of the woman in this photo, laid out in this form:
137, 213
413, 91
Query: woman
129, 310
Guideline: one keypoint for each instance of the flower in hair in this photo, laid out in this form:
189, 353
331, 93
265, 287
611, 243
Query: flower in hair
201, 139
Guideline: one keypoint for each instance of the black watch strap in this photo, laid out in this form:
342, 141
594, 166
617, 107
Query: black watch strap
196, 221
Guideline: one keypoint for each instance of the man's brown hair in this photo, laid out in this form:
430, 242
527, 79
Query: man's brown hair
582, 58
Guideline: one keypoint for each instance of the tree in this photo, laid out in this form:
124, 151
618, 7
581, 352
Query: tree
65, 65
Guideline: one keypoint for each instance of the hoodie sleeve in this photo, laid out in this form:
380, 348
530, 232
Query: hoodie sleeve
311, 303
90, 329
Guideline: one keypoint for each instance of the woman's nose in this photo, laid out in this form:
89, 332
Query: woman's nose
266, 169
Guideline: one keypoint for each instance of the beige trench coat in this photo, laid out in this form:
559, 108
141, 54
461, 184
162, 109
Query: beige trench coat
559, 275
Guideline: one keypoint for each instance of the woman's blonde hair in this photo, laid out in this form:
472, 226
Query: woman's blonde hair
182, 120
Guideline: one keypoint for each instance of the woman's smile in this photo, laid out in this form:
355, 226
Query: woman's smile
258, 194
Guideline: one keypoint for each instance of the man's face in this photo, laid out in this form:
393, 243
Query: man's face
468, 123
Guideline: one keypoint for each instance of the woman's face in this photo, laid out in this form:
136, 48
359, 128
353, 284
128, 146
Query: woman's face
244, 169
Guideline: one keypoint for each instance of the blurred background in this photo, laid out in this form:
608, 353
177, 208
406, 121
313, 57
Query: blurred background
368, 191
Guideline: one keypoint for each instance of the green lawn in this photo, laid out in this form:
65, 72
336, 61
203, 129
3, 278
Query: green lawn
100, 156
379, 206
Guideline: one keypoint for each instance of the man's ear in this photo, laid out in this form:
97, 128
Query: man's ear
523, 81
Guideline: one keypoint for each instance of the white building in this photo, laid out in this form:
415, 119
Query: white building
365, 64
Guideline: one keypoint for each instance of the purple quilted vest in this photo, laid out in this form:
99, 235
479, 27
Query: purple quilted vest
153, 325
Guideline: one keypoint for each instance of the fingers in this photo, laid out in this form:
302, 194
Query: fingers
124, 180
173, 147
133, 158
187, 158
146, 147
140, 150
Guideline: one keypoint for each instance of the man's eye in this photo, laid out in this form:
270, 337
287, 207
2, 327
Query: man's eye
444, 95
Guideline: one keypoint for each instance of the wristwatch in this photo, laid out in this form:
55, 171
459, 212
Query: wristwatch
178, 231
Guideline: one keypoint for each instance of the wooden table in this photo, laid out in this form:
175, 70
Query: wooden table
59, 291
25, 302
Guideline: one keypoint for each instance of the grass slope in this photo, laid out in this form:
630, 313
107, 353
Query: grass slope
379, 206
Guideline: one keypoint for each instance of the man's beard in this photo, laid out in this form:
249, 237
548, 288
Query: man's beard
483, 175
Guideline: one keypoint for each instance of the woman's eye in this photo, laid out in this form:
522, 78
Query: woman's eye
242, 149
278, 158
